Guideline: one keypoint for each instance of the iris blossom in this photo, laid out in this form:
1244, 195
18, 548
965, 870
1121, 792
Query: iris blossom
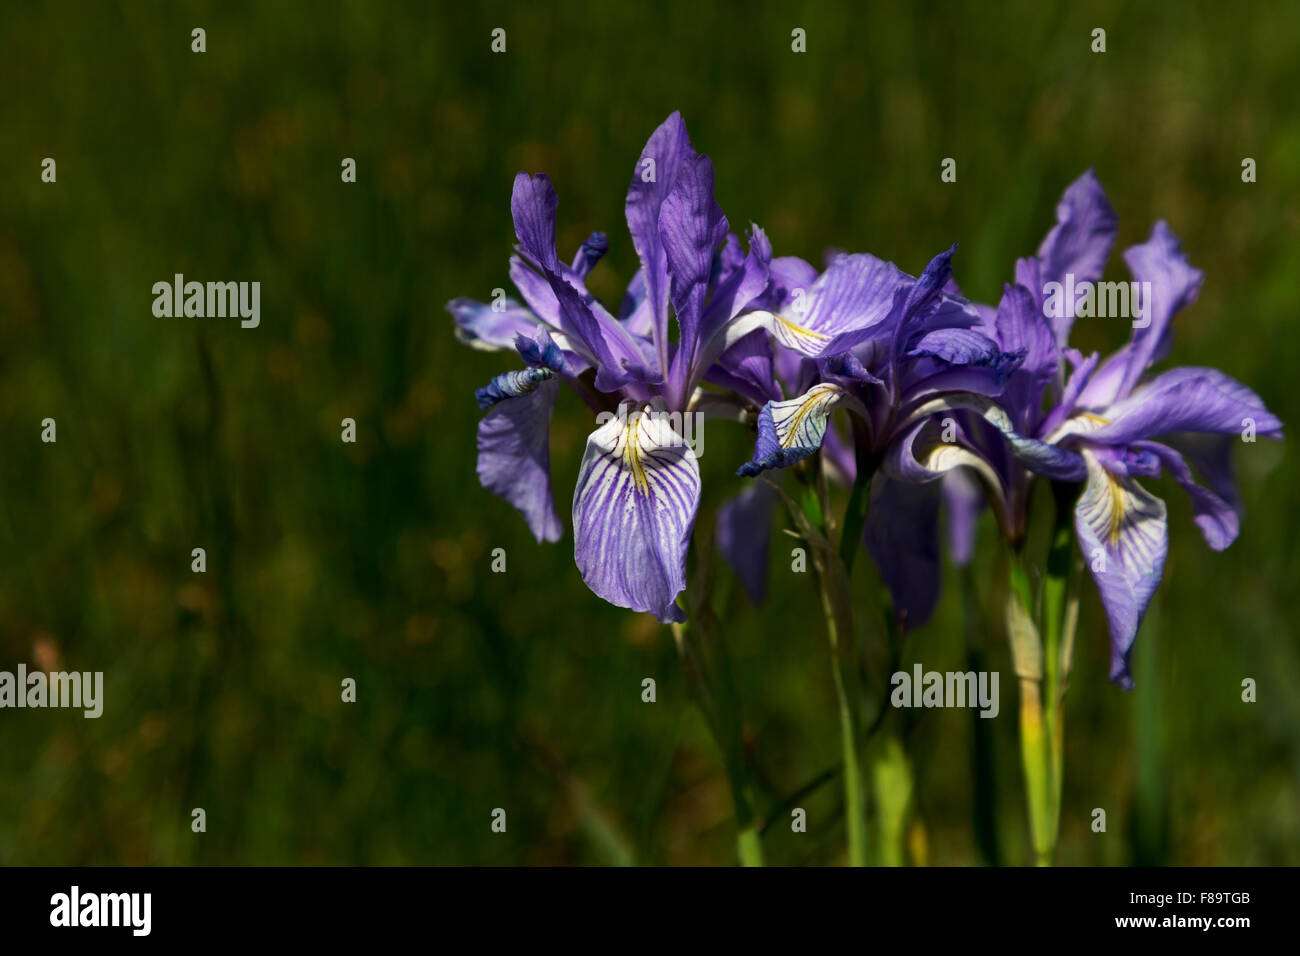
1109, 415
638, 487
894, 351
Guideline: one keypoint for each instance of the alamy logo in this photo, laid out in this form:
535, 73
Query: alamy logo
134, 910
1124, 300
687, 428
55, 689
924, 688
212, 300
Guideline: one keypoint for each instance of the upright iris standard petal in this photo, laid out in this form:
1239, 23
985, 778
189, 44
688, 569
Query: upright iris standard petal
557, 295
1085, 229
533, 204
1174, 284
1075, 385
653, 179
928, 289
792, 430
1021, 325
633, 509
620, 357
1103, 383
1123, 533
1078, 244
734, 289
691, 227
740, 286
514, 458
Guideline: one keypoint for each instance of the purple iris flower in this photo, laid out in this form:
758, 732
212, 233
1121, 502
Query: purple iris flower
638, 486
1108, 416
895, 351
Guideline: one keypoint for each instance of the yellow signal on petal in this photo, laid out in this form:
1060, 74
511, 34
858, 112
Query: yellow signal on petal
797, 337
632, 454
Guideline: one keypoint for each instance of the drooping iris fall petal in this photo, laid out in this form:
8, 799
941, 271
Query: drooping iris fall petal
1123, 533
514, 458
633, 509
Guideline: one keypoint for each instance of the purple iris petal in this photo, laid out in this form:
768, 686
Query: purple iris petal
1216, 517
1174, 283
1078, 244
790, 431
928, 288
1074, 387
591, 251
744, 535
656, 173
480, 326
1187, 399
1211, 456
635, 303
532, 204
1021, 326
849, 368
846, 303
514, 458
957, 347
1132, 461
789, 275
633, 509
1123, 534
929, 376
738, 287
1103, 385
540, 351
1042, 458
963, 500
621, 358
902, 537
747, 368
691, 227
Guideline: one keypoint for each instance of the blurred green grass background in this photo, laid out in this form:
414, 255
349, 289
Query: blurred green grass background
522, 690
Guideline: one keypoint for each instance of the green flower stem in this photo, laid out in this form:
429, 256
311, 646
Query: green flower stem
749, 846
1060, 612
855, 804
888, 764
1027, 655
833, 589
1043, 668
891, 784
722, 717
